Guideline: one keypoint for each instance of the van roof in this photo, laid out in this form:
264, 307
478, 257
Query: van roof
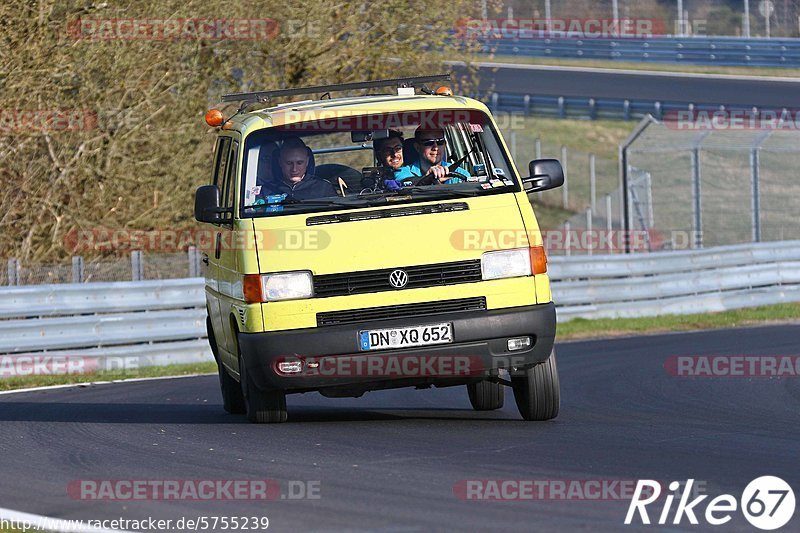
309, 110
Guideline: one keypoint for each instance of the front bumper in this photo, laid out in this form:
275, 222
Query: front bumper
478, 350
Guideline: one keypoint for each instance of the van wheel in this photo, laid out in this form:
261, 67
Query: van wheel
485, 395
537, 391
232, 399
262, 407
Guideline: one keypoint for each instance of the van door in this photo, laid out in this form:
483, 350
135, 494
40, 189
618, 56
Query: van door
227, 254
221, 156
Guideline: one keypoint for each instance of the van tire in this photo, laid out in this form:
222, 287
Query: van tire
262, 406
485, 395
232, 399
537, 390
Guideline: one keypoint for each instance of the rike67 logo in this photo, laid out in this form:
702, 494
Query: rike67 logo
767, 503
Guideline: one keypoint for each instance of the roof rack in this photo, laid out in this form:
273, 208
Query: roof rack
263, 96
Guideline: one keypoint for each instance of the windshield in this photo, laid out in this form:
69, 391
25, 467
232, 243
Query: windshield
353, 162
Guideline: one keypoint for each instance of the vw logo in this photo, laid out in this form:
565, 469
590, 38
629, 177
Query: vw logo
398, 278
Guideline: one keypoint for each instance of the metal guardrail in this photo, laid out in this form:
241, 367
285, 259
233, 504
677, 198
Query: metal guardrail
723, 51
697, 281
156, 322
163, 322
596, 108
108, 297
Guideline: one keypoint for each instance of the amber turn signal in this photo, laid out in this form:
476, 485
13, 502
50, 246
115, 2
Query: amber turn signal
214, 118
252, 289
538, 260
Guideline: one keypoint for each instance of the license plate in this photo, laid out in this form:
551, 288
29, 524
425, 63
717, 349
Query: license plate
382, 339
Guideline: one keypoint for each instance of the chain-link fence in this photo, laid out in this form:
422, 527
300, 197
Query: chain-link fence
710, 187
687, 187
134, 267
588, 200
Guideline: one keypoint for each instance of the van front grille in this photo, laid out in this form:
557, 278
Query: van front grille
378, 280
388, 312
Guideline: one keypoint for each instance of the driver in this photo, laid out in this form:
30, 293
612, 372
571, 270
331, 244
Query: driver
294, 178
430, 146
389, 151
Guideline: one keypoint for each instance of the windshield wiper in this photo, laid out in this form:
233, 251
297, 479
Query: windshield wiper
289, 200
439, 192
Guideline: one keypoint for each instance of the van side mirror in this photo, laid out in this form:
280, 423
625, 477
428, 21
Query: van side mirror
545, 174
206, 205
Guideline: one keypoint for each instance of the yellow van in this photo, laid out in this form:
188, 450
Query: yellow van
374, 242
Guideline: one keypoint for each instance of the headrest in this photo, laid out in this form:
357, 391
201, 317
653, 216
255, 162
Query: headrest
276, 167
264, 172
409, 152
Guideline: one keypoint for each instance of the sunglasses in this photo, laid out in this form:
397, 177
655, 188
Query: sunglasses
430, 142
391, 150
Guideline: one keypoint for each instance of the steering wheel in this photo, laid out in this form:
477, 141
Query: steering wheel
430, 178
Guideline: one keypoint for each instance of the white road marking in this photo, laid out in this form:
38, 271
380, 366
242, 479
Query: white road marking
46, 523
89, 383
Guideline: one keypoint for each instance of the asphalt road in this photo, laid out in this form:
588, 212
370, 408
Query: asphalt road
389, 461
638, 85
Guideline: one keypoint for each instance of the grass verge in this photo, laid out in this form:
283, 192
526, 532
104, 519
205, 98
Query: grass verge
22, 382
660, 67
581, 328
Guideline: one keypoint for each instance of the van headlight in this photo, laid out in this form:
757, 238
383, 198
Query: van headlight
274, 287
287, 286
506, 264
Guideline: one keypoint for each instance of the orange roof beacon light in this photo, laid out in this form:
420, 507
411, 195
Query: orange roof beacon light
444, 90
214, 118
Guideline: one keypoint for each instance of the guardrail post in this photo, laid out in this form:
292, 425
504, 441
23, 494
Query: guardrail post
697, 215
592, 183
589, 240
77, 269
495, 98
137, 266
756, 197
527, 103
626, 110
514, 146
567, 243
609, 221
562, 112
13, 272
657, 110
592, 109
565, 187
194, 271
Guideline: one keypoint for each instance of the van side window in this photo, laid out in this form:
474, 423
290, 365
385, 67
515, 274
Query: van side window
221, 154
230, 176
